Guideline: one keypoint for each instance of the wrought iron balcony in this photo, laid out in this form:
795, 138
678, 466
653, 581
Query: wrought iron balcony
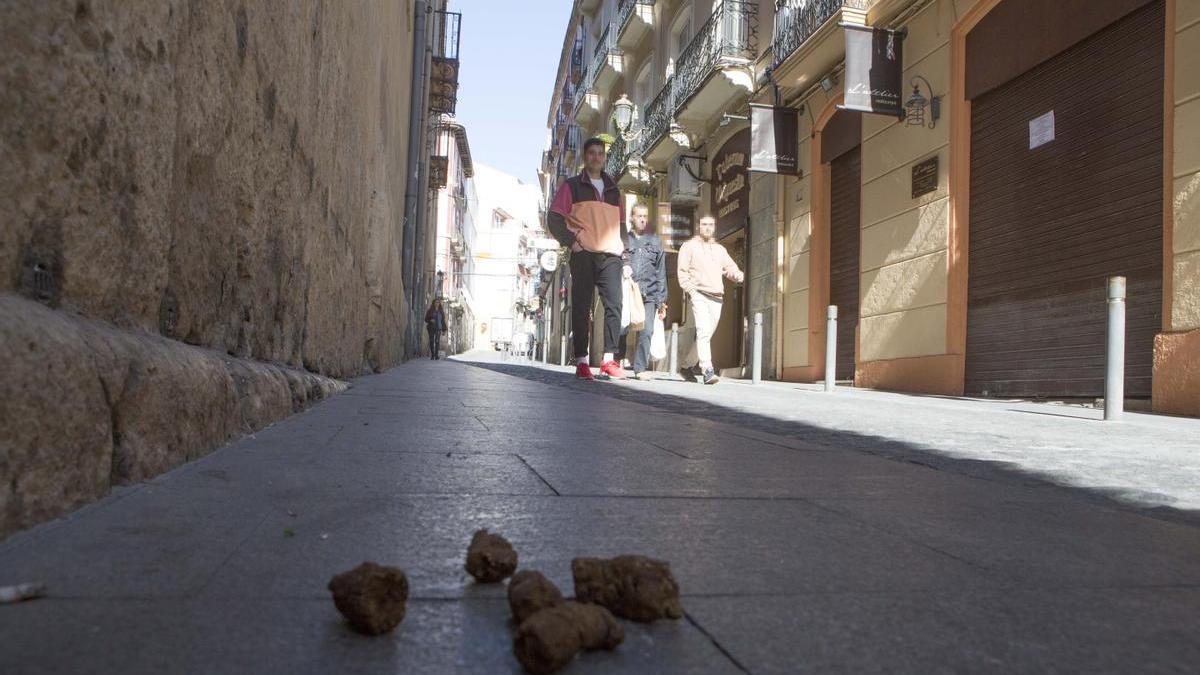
728, 38
603, 44
443, 80
797, 20
657, 118
589, 80
618, 158
626, 10
576, 63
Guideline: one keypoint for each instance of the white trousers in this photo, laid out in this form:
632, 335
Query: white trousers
706, 313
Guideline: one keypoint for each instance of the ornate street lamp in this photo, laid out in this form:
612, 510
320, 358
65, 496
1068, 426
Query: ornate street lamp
914, 107
623, 115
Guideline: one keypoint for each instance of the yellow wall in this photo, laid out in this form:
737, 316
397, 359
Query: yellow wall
797, 215
1185, 307
903, 287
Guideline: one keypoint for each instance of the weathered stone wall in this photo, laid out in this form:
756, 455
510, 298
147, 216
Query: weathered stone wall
185, 180
228, 173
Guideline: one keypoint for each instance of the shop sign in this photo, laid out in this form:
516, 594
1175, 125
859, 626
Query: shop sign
676, 224
924, 177
773, 139
874, 69
731, 189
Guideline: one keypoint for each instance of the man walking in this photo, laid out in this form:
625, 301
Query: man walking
586, 216
646, 264
702, 263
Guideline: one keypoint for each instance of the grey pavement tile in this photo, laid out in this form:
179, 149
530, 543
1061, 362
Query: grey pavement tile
788, 474
1053, 541
307, 636
150, 543
1013, 631
740, 546
283, 474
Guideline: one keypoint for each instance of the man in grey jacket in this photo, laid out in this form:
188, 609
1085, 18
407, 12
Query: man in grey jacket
646, 264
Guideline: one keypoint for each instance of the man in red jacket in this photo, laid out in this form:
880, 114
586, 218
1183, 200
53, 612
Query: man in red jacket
586, 216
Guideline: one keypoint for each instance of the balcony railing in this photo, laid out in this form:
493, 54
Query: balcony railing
797, 20
574, 139
443, 95
625, 10
618, 157
728, 38
658, 115
576, 62
605, 43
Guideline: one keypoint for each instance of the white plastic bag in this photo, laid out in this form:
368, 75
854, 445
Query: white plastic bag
658, 341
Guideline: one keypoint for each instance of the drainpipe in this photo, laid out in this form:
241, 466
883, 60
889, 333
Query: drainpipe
416, 124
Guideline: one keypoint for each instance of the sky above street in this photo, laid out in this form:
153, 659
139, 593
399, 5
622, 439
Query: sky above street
509, 53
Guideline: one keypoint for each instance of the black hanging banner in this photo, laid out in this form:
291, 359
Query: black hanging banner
773, 139
874, 70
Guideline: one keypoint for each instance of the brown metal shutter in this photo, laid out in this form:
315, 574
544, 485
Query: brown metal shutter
845, 180
1048, 225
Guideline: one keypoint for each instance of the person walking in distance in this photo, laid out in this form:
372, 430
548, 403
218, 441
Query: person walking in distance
435, 325
586, 217
646, 264
702, 264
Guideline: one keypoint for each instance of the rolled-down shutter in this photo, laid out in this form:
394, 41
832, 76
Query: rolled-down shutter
844, 233
1049, 224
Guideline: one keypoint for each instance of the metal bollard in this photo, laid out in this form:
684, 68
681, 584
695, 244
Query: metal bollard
674, 360
756, 358
1114, 351
830, 347
562, 351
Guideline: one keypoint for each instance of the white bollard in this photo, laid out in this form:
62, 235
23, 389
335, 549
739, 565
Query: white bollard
756, 358
674, 360
1114, 351
830, 347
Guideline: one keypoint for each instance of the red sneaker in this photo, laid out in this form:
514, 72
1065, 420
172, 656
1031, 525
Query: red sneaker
583, 371
611, 369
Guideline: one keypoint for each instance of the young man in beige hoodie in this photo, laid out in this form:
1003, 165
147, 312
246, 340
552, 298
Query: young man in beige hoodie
702, 264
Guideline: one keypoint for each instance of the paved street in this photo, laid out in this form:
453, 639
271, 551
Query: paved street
799, 545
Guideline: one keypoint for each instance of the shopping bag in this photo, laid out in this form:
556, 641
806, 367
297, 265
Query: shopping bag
631, 301
658, 342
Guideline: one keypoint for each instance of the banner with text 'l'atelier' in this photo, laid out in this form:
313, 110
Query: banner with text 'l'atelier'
774, 139
874, 70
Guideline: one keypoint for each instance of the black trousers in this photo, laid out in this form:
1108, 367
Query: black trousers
435, 339
600, 272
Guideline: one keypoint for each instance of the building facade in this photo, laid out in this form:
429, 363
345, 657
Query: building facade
452, 176
972, 240
1042, 147
503, 283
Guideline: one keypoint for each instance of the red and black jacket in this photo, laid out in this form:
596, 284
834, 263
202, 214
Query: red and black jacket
579, 215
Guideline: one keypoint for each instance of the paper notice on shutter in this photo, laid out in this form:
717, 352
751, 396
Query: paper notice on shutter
1041, 130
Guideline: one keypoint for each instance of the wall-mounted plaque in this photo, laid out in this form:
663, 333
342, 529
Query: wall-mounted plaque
925, 177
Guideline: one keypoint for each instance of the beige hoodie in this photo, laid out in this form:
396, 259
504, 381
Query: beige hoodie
701, 266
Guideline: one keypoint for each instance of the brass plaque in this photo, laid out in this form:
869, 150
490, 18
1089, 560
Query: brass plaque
925, 177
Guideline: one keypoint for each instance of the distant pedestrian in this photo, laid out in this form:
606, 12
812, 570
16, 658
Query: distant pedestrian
646, 264
702, 263
586, 216
435, 325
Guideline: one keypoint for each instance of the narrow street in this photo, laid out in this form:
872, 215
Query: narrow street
797, 547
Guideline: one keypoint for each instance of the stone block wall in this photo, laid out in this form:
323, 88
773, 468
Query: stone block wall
217, 188
761, 262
